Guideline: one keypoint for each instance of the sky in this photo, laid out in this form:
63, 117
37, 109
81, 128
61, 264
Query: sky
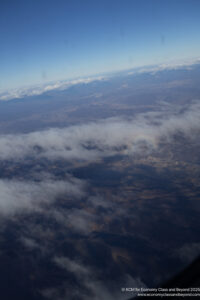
49, 40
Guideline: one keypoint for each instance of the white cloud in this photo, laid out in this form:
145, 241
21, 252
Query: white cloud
64, 84
96, 289
40, 89
27, 196
171, 65
103, 138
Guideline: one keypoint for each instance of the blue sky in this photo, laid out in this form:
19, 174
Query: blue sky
45, 40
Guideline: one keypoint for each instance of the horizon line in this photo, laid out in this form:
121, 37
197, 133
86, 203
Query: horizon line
62, 84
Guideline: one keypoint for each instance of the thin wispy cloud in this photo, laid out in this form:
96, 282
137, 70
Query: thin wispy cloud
91, 287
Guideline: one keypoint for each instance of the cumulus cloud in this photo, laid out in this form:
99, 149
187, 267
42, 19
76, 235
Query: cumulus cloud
27, 196
103, 138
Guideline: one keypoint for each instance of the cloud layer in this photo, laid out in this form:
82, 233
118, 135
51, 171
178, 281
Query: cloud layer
71, 213
64, 84
103, 138
87, 143
38, 90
